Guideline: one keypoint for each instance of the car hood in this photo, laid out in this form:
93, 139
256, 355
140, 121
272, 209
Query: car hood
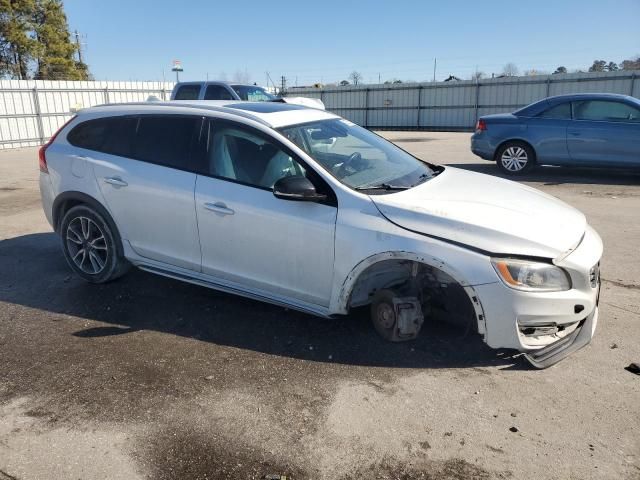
487, 213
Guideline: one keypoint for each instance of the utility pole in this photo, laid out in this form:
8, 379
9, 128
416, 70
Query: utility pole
435, 62
283, 85
78, 46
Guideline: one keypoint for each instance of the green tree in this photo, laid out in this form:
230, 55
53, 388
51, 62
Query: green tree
56, 57
612, 67
560, 70
598, 66
18, 48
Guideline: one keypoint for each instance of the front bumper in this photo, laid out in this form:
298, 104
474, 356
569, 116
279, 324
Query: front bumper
553, 353
547, 326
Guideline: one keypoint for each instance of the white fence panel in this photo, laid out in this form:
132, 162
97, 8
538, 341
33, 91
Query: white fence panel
32, 110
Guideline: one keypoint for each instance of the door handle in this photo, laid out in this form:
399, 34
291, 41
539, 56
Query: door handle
219, 207
115, 181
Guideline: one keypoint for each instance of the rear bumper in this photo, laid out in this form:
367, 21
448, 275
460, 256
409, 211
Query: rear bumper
46, 195
481, 147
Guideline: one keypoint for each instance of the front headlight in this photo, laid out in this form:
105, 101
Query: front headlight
531, 276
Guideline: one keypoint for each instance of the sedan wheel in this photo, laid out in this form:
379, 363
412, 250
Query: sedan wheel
515, 158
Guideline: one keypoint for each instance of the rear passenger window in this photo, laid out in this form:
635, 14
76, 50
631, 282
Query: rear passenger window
188, 92
166, 140
562, 111
111, 135
217, 92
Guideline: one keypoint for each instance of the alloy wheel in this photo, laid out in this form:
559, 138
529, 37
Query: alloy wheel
514, 159
87, 245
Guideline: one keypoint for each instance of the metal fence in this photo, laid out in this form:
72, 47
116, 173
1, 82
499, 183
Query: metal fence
456, 105
32, 110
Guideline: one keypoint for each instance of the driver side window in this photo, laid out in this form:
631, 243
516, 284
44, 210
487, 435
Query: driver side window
239, 154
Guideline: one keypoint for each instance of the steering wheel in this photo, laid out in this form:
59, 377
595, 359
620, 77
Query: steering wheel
346, 165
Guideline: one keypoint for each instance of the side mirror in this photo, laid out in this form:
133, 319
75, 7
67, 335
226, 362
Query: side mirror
297, 188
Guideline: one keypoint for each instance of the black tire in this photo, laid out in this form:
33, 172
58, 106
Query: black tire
91, 245
515, 158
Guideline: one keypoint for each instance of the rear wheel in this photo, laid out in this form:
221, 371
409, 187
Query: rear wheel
515, 158
90, 245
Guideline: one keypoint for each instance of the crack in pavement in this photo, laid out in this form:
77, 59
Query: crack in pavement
618, 283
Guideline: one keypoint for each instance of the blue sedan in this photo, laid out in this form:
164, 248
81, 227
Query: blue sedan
585, 130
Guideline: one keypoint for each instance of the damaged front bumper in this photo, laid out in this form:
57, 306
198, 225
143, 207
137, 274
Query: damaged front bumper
547, 326
574, 341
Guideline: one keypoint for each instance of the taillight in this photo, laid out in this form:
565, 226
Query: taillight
481, 125
42, 157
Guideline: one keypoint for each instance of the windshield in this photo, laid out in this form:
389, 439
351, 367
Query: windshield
357, 157
253, 93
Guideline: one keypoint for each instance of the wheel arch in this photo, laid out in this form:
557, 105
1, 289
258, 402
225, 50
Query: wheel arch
343, 298
67, 200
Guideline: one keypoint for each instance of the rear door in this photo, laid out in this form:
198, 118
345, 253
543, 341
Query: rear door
143, 166
604, 132
249, 236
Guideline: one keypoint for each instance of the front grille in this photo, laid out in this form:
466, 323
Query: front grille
594, 275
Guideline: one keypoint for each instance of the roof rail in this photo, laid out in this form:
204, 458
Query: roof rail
195, 106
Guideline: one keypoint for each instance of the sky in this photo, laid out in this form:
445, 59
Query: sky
324, 41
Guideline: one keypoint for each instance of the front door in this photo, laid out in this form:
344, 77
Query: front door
604, 132
250, 237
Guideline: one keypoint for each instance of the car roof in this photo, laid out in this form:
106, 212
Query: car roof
216, 82
541, 105
271, 114
588, 96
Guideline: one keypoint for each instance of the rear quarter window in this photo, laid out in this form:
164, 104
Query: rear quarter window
112, 135
561, 111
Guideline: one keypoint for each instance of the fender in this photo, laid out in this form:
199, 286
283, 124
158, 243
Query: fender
340, 299
77, 198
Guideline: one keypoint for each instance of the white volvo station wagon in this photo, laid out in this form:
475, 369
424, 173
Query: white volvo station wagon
304, 209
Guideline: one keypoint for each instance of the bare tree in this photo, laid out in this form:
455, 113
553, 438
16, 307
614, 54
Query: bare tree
477, 75
241, 77
510, 70
355, 77
631, 63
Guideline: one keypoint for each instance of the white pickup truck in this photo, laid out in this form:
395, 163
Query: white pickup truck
235, 91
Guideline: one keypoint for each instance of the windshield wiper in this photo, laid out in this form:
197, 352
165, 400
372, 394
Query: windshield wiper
382, 186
